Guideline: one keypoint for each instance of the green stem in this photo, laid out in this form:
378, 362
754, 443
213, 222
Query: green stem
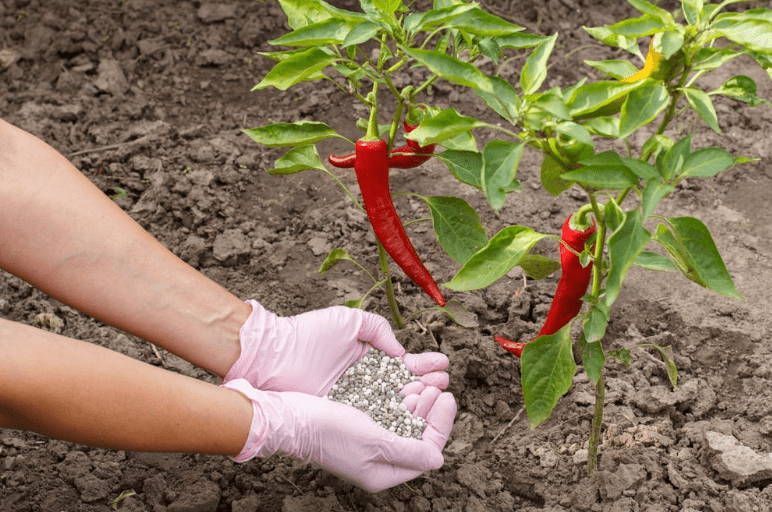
389, 287
395, 122
597, 278
597, 425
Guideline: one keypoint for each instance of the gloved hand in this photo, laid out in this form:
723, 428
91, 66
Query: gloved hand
342, 439
309, 352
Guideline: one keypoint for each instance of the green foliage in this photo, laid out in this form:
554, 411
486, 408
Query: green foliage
458, 42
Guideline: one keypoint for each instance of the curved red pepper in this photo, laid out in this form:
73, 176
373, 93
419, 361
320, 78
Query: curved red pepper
372, 170
408, 156
574, 280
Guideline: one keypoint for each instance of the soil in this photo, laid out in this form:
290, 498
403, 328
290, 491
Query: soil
148, 97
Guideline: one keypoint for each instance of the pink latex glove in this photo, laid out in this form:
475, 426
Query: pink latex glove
309, 352
343, 440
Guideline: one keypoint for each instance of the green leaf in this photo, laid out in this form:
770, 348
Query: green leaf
387, 6
462, 142
615, 68
741, 88
593, 359
671, 42
301, 13
445, 125
614, 215
500, 162
329, 31
654, 261
520, 41
457, 226
610, 38
667, 358
708, 59
483, 24
503, 100
672, 161
551, 102
451, 69
652, 10
602, 178
551, 170
643, 105
535, 68
438, 16
707, 162
603, 126
575, 141
653, 193
753, 33
643, 170
696, 245
333, 258
622, 355
459, 314
300, 133
703, 105
547, 371
624, 246
298, 159
692, 10
538, 267
600, 98
596, 323
490, 48
299, 67
637, 27
466, 166
502, 253
361, 34
657, 145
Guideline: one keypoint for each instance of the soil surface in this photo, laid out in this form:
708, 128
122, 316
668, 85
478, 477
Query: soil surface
149, 97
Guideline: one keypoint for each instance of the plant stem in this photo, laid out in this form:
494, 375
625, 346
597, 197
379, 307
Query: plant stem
389, 287
597, 424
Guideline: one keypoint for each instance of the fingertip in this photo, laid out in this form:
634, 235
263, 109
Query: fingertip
440, 420
376, 330
412, 388
438, 379
426, 401
411, 401
426, 362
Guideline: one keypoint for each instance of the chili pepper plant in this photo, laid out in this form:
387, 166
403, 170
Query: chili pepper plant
576, 130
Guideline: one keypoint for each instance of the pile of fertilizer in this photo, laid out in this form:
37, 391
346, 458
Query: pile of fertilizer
372, 385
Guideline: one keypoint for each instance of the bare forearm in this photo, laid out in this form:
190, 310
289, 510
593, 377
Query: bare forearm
65, 237
83, 393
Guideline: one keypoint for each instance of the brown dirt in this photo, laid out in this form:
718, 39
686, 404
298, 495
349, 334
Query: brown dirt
149, 96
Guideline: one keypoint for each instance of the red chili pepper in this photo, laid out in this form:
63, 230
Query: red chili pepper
572, 286
372, 170
408, 156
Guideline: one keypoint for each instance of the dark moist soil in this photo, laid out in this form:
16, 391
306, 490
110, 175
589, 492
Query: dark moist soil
149, 97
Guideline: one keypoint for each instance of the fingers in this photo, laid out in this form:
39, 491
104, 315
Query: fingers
427, 362
419, 404
376, 330
426, 454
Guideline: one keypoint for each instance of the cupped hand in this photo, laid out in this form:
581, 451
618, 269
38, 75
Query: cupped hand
308, 353
344, 440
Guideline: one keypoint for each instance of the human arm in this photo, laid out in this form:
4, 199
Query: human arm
86, 394
83, 393
64, 236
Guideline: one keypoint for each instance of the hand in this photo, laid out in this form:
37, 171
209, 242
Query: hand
309, 352
344, 440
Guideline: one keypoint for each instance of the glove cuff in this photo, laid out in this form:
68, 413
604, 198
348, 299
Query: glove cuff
259, 429
259, 326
